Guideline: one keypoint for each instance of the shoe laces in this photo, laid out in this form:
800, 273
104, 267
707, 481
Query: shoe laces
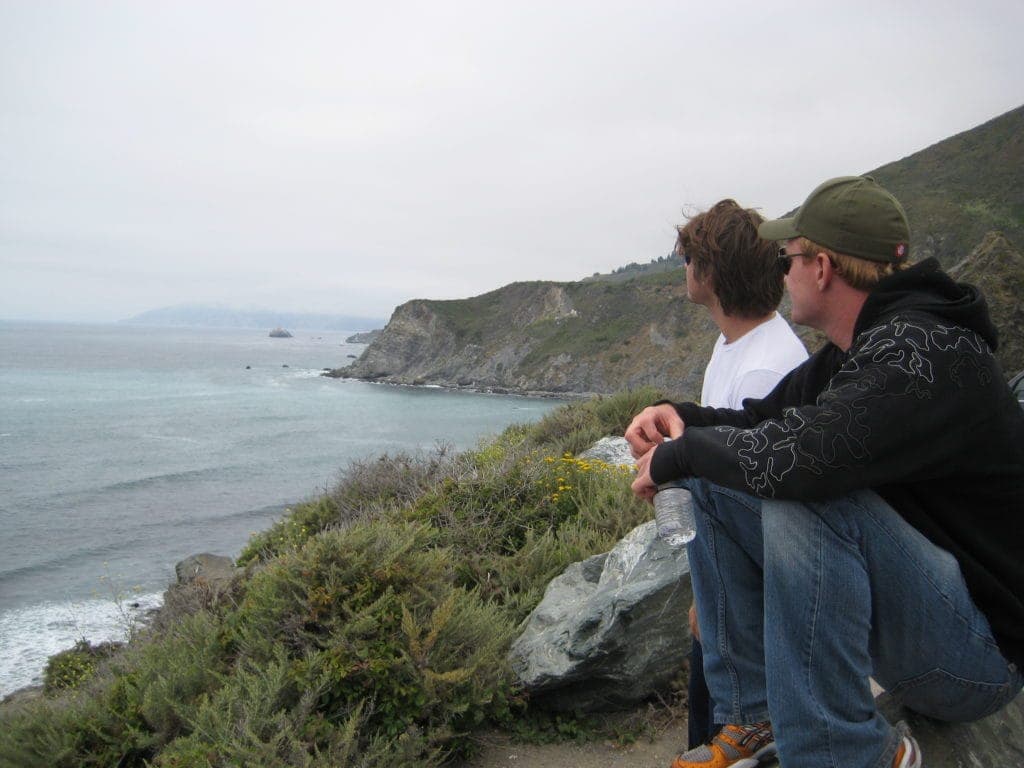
751, 733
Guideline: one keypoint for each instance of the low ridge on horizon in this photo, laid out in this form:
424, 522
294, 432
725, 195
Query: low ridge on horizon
213, 316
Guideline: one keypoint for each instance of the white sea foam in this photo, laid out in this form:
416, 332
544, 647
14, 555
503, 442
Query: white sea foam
30, 635
169, 438
305, 373
286, 377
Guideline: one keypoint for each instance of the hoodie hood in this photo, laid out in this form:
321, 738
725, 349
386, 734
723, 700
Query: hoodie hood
925, 287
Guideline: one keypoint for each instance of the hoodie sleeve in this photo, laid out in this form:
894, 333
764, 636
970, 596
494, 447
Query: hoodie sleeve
883, 416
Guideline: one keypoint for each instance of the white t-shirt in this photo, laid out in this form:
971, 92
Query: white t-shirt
752, 365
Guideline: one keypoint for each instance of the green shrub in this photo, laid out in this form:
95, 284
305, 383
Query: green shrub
371, 615
291, 531
367, 488
576, 426
74, 667
39, 734
126, 713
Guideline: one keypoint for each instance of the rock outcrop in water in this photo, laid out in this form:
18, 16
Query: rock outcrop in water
364, 338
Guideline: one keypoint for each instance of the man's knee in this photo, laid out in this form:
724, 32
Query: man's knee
789, 529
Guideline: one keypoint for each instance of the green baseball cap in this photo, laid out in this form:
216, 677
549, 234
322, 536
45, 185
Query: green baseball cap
852, 215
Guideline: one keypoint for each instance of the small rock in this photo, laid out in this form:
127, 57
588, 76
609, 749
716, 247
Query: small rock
205, 568
610, 450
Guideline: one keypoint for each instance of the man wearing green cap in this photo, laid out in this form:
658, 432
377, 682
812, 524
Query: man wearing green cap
864, 517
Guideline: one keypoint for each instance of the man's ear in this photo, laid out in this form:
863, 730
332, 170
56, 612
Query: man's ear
824, 271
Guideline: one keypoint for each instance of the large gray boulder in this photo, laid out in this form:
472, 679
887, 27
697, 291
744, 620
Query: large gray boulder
995, 741
611, 630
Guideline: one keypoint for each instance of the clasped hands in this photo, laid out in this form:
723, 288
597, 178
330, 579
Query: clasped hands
646, 432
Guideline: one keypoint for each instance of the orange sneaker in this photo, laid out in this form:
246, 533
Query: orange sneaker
735, 746
908, 754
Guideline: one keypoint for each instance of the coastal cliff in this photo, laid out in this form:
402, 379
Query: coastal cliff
548, 337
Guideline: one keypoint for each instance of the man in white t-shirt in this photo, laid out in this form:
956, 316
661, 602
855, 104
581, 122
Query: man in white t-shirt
751, 365
737, 276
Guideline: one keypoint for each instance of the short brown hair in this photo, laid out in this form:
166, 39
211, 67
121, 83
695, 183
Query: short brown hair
862, 274
744, 270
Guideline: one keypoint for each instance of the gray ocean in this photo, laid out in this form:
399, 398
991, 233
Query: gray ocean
125, 449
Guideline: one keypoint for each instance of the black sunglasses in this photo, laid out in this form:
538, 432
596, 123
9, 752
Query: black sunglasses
786, 259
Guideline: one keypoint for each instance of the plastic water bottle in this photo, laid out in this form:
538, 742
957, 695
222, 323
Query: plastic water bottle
673, 512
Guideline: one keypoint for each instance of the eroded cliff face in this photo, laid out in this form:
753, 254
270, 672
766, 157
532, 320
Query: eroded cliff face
559, 338
414, 340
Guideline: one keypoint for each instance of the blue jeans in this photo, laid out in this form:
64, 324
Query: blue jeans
800, 602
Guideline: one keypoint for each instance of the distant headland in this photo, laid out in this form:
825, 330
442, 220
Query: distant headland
205, 316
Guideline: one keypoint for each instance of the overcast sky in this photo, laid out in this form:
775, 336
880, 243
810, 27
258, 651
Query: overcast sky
346, 157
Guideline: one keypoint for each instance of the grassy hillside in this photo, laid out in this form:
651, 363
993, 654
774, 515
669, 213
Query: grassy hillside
955, 192
633, 269
958, 190
372, 625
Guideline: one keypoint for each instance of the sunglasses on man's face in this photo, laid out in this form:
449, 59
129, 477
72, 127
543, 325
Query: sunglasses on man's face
786, 259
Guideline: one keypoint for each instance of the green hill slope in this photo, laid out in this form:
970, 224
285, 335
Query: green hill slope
958, 190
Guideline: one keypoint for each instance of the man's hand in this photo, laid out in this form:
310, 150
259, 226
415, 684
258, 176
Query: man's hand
643, 486
650, 427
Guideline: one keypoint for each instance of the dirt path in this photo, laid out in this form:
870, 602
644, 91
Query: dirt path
658, 752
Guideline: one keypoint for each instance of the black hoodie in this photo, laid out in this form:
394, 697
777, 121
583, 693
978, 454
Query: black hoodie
917, 410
